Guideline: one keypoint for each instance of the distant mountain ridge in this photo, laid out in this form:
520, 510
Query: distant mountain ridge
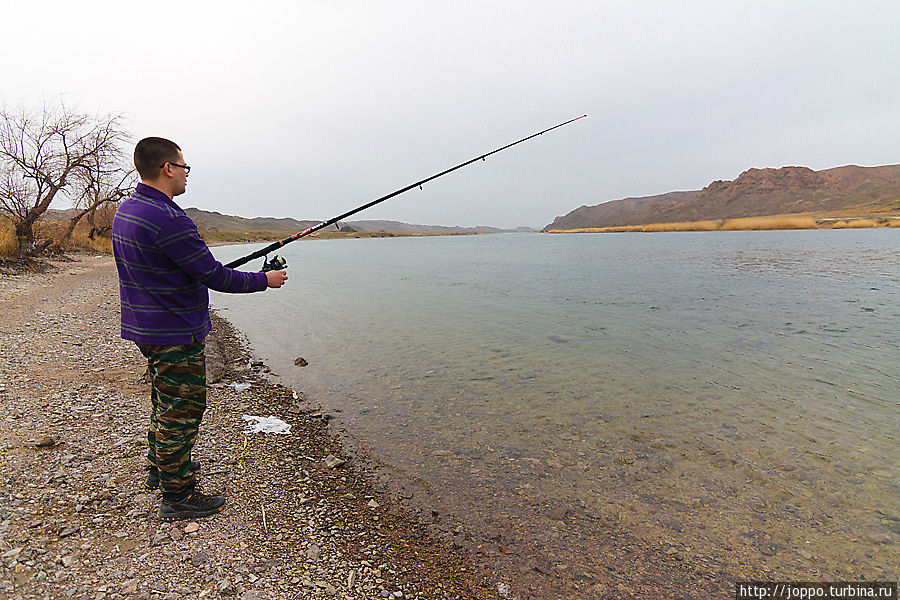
214, 221
755, 193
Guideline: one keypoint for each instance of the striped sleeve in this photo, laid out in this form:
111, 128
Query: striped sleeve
180, 241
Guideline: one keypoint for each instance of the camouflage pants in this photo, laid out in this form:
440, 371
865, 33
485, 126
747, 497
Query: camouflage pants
178, 399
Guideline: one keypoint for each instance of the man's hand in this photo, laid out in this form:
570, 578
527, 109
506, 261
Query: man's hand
276, 278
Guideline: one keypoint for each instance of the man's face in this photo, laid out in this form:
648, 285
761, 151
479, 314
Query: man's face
179, 176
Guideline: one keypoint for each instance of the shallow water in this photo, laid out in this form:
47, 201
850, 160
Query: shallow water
729, 398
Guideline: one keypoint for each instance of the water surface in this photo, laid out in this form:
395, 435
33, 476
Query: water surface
731, 398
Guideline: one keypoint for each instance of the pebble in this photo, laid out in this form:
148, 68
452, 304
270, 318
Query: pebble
878, 537
198, 559
71, 530
559, 513
226, 588
158, 538
332, 462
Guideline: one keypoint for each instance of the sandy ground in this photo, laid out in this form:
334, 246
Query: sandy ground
302, 520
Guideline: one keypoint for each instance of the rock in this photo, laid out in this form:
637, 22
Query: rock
158, 538
333, 462
45, 442
198, 559
176, 534
68, 561
300, 361
260, 567
314, 552
69, 531
251, 595
226, 588
372, 504
559, 513
878, 537
192, 527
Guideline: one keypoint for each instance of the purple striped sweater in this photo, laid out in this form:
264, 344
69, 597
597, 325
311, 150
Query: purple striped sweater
165, 271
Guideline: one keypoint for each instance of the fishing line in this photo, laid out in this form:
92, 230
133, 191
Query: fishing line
280, 263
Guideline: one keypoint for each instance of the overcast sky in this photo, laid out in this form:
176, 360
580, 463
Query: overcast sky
308, 109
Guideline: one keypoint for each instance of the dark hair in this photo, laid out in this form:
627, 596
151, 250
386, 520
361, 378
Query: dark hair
153, 152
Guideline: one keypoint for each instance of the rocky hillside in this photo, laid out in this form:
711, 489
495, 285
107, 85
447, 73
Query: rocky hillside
755, 193
214, 221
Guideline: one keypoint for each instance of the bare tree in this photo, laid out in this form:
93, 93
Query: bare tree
101, 220
99, 185
44, 154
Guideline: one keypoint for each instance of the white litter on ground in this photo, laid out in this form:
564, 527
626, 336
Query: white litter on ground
268, 424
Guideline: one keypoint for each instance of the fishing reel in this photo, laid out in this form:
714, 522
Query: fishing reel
276, 264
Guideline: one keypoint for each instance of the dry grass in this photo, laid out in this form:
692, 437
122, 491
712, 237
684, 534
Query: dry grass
855, 224
750, 224
769, 223
7, 238
80, 239
650, 228
684, 226
54, 231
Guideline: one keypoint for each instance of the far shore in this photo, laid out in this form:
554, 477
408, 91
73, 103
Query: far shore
768, 223
215, 238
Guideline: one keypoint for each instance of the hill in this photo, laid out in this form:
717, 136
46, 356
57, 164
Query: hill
755, 193
218, 228
214, 225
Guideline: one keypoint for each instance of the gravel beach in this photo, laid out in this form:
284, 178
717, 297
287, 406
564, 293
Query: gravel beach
302, 519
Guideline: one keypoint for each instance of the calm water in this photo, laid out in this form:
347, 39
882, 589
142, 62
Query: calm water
729, 398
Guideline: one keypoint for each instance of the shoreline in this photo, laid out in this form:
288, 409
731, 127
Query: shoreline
767, 223
303, 520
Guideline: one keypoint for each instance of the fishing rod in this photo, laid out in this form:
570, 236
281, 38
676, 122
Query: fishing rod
280, 263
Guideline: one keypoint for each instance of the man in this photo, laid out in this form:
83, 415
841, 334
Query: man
165, 270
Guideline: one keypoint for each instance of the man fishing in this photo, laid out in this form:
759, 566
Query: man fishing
165, 272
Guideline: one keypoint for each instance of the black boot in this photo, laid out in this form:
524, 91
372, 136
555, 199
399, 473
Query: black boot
189, 504
152, 482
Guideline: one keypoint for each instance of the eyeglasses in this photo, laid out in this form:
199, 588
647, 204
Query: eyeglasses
186, 168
